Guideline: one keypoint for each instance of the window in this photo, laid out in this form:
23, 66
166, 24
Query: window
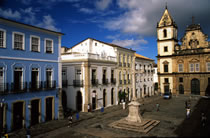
49, 46
164, 33
95, 44
166, 68
127, 58
191, 67
18, 41
180, 68
1, 72
208, 66
197, 67
166, 80
165, 49
35, 44
2, 38
180, 79
63, 72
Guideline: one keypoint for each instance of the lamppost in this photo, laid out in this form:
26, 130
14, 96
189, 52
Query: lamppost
1, 114
29, 119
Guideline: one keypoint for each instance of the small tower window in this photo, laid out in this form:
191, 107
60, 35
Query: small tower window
165, 49
164, 33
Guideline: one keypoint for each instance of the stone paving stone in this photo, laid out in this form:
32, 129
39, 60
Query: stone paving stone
95, 124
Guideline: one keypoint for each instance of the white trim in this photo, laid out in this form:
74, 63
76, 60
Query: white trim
4, 40
13, 39
196, 67
39, 71
181, 68
28, 59
192, 67
31, 43
45, 45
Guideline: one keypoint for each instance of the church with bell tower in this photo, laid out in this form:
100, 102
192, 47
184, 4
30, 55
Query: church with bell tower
183, 65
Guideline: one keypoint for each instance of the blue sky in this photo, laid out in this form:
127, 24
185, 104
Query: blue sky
128, 23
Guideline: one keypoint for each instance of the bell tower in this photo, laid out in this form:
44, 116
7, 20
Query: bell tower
166, 41
166, 34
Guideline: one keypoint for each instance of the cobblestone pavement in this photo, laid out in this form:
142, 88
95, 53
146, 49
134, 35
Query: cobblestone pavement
172, 117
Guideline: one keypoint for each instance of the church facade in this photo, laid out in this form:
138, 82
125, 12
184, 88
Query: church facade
183, 68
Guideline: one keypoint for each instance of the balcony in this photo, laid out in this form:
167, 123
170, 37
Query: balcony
105, 81
113, 81
120, 81
64, 83
35, 86
18, 87
7, 88
124, 81
50, 84
94, 82
75, 56
4, 88
124, 64
78, 83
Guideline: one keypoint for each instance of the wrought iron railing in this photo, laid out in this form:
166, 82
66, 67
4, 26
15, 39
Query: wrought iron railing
78, 83
113, 81
50, 84
4, 88
18, 87
94, 82
34, 86
64, 83
105, 81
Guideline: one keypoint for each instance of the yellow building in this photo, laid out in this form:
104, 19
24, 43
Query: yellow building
185, 68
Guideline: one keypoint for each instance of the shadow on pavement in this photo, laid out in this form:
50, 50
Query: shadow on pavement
192, 127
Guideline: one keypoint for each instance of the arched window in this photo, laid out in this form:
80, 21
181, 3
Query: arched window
164, 33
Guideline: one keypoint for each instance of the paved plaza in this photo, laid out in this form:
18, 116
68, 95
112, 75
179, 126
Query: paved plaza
172, 117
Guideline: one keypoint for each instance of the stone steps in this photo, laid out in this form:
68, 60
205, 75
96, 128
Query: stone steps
144, 127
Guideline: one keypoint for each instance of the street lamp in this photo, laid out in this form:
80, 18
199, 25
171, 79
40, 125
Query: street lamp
29, 120
2, 103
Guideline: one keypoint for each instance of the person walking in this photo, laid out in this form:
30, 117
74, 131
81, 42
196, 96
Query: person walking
203, 120
188, 113
70, 121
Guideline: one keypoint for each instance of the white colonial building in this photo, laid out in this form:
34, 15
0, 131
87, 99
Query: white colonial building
144, 76
89, 75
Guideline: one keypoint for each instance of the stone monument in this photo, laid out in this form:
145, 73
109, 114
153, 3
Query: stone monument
134, 120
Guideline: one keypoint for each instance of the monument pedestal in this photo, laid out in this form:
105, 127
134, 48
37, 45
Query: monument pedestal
134, 121
134, 115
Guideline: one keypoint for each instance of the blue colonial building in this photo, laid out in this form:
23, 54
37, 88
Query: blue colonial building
30, 75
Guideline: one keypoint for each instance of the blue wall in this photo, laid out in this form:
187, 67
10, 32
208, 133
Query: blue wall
28, 59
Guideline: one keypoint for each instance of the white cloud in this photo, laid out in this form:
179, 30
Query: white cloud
141, 16
102, 4
86, 10
48, 23
29, 15
130, 43
8, 13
